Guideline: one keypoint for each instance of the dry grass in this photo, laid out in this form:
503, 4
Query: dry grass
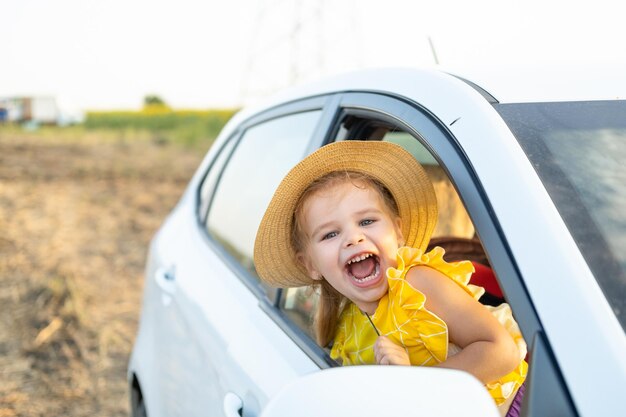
76, 215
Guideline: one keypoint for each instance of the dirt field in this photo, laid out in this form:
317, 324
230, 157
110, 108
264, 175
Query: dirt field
76, 215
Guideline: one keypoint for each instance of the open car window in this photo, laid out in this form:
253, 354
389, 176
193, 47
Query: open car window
454, 231
453, 220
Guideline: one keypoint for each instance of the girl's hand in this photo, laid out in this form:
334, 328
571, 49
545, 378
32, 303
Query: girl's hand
388, 353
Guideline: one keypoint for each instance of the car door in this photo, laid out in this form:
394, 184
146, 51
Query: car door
430, 138
218, 350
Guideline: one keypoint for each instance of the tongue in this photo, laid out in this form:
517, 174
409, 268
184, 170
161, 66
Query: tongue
363, 269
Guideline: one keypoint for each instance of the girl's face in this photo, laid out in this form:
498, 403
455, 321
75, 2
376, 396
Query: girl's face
350, 239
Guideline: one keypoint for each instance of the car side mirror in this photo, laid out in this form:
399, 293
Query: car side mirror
376, 391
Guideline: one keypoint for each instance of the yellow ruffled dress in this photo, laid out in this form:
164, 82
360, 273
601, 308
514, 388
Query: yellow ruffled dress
402, 317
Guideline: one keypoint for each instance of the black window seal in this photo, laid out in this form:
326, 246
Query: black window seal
486, 95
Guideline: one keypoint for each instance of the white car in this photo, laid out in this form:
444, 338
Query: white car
530, 185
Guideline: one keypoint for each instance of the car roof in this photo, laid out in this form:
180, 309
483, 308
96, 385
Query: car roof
519, 84
498, 84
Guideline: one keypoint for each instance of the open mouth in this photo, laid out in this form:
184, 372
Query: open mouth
364, 269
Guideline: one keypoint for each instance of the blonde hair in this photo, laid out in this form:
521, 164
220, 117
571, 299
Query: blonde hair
331, 302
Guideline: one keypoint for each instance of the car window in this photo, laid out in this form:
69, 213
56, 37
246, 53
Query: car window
210, 180
454, 231
374, 117
263, 156
453, 220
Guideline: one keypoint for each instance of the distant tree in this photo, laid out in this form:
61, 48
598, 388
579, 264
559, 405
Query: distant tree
153, 100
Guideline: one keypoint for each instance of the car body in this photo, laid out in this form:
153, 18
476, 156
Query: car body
548, 211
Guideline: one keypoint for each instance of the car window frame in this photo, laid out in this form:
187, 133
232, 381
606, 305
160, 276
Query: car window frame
441, 143
415, 119
227, 147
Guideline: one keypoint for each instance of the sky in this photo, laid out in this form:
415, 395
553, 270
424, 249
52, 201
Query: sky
94, 54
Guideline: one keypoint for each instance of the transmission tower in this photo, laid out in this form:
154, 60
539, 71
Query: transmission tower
288, 43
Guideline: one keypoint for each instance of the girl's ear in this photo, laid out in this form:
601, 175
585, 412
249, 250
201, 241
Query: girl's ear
398, 224
308, 265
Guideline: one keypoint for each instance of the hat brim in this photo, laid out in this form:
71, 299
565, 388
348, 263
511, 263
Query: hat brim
274, 256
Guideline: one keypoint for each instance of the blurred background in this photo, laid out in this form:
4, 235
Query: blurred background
107, 108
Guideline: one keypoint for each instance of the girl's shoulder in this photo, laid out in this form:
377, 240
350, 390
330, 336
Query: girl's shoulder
426, 279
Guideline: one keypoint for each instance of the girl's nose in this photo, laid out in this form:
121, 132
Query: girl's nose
354, 238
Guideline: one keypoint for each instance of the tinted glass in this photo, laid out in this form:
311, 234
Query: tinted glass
264, 155
578, 149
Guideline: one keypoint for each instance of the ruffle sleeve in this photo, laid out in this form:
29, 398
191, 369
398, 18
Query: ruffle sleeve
417, 325
460, 273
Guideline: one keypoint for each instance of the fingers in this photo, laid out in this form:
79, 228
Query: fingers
393, 358
387, 352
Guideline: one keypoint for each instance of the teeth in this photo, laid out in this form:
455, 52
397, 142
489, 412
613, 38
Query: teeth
359, 258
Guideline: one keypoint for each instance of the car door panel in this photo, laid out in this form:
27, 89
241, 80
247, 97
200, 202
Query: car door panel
217, 338
218, 344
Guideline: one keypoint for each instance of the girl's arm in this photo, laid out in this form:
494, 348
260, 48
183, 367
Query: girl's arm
488, 351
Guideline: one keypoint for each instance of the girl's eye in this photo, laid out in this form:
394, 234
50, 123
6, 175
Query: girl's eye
366, 222
329, 235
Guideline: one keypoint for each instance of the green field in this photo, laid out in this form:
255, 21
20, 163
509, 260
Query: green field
187, 127
194, 129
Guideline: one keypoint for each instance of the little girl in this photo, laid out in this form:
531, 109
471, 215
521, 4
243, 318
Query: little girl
355, 218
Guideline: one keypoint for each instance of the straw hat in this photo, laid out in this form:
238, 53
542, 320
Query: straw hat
274, 256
